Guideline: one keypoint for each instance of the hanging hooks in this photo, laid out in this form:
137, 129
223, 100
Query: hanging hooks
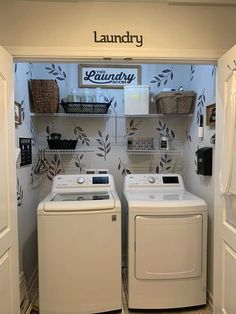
232, 68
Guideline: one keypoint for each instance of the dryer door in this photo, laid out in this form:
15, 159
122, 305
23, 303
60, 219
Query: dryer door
168, 247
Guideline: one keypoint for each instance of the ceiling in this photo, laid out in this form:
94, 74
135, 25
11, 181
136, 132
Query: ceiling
171, 2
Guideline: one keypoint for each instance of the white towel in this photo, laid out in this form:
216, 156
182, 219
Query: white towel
228, 148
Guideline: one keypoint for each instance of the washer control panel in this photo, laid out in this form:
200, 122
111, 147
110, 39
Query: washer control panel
83, 180
80, 180
151, 179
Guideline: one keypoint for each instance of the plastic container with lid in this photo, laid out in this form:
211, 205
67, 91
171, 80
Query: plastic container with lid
136, 99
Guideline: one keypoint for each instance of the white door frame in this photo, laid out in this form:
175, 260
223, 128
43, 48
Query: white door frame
76, 54
9, 269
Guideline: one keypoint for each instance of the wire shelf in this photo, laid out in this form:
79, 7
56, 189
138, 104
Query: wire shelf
112, 115
67, 151
155, 152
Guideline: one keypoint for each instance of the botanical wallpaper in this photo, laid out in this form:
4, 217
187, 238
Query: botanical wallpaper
102, 143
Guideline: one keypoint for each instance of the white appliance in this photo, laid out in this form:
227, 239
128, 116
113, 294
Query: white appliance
79, 244
136, 99
167, 242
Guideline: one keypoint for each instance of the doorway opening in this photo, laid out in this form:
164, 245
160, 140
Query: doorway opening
34, 180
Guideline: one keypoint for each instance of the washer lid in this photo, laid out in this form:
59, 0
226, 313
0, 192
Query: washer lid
80, 201
157, 200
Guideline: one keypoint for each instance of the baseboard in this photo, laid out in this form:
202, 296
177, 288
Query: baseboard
29, 309
24, 294
33, 285
210, 299
33, 289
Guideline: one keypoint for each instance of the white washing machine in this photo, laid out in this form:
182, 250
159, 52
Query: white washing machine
167, 243
79, 243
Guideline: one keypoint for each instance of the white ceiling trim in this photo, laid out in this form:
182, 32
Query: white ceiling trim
202, 2
171, 2
128, 55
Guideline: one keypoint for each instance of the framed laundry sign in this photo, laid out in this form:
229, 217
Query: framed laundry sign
109, 76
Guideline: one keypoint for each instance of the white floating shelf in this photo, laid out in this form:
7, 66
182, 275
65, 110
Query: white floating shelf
155, 152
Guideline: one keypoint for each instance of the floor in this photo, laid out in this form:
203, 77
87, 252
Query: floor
125, 310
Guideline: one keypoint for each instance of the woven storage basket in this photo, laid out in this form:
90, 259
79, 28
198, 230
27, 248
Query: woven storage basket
175, 102
44, 96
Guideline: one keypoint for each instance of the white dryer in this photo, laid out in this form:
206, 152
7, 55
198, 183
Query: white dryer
79, 245
167, 243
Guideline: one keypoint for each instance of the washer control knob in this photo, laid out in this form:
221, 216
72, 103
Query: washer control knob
151, 179
80, 180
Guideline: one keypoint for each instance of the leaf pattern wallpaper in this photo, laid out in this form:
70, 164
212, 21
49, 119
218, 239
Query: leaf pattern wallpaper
133, 128
57, 72
192, 71
105, 138
188, 136
123, 168
201, 100
78, 159
113, 102
104, 146
81, 135
164, 164
163, 77
164, 130
20, 193
55, 167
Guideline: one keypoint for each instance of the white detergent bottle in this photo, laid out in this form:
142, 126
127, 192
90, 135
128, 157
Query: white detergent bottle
100, 97
74, 94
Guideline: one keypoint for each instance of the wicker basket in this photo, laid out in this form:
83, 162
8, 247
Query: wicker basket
175, 102
44, 96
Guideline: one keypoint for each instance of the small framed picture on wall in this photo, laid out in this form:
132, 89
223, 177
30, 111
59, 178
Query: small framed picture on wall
211, 115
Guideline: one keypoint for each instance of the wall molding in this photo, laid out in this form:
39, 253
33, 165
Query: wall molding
130, 55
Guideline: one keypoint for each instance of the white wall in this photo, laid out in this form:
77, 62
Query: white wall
25, 23
28, 192
203, 83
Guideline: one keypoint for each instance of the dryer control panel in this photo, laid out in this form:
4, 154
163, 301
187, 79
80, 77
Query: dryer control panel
155, 180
